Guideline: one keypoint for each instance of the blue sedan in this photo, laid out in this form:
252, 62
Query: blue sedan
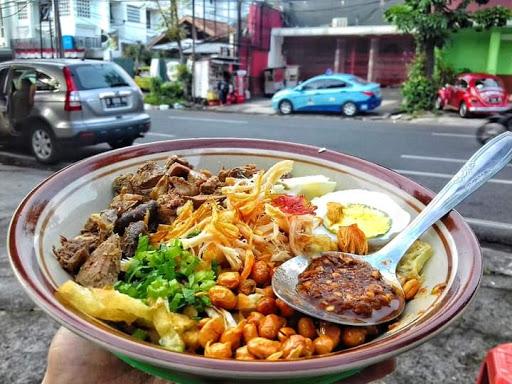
343, 93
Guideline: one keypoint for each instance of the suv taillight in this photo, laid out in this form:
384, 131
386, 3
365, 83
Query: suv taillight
72, 101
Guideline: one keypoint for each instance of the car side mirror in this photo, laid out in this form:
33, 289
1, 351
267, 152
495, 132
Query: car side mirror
300, 88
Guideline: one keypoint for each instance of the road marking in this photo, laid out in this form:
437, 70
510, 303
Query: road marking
445, 176
156, 134
447, 134
488, 223
209, 120
434, 158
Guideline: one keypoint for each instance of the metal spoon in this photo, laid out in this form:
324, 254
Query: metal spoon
484, 164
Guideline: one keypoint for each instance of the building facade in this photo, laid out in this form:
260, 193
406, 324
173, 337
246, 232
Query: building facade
91, 28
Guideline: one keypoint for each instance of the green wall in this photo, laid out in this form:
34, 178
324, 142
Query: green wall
470, 49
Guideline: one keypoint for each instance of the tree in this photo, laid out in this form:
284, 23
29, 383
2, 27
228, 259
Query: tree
171, 22
431, 22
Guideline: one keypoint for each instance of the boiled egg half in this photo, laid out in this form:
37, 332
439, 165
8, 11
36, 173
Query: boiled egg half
375, 213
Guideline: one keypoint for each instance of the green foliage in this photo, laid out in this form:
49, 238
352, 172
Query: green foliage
167, 93
444, 73
138, 52
418, 91
491, 17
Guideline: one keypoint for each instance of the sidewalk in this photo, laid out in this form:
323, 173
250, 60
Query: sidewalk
389, 110
262, 106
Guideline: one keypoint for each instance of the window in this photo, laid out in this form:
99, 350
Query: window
148, 19
96, 76
83, 8
487, 83
45, 82
461, 83
334, 84
3, 76
133, 14
312, 85
64, 8
21, 10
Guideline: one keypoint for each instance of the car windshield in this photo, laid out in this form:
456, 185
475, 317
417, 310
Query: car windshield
95, 76
487, 83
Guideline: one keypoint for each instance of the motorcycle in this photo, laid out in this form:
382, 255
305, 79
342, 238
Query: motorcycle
494, 126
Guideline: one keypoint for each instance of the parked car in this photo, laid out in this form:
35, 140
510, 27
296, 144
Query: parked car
474, 93
343, 93
51, 103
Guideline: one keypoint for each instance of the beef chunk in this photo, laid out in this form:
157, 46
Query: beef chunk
176, 159
72, 253
136, 214
243, 172
184, 187
101, 224
168, 204
179, 170
125, 201
123, 184
210, 186
146, 177
131, 237
103, 266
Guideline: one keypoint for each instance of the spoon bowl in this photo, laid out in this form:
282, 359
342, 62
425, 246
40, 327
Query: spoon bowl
484, 164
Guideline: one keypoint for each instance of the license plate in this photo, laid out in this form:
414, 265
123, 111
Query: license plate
494, 99
116, 102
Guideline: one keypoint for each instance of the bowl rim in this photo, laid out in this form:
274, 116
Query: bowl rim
465, 241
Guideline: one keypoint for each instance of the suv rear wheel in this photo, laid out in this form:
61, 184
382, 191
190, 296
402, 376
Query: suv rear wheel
43, 144
121, 143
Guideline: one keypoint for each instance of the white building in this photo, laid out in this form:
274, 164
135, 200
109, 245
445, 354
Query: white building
100, 28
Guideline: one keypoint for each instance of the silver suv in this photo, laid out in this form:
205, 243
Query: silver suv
51, 103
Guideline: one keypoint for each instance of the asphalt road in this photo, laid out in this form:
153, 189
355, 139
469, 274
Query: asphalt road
428, 154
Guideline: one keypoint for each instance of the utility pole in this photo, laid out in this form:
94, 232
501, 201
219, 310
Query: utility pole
194, 36
58, 31
239, 27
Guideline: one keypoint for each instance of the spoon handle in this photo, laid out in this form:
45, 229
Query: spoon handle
484, 164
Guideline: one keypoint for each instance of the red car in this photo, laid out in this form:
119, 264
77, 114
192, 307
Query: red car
474, 93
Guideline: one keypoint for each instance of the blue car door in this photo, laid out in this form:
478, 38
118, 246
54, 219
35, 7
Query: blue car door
307, 97
332, 95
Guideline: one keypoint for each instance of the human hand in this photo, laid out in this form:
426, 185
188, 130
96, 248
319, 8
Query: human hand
72, 359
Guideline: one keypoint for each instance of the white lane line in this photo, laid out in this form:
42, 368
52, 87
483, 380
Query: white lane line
488, 223
445, 176
435, 158
156, 134
447, 134
206, 120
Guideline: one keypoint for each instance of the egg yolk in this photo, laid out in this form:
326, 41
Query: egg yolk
371, 221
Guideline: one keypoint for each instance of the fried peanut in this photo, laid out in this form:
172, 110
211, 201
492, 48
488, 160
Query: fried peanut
297, 346
261, 273
285, 333
229, 280
284, 309
331, 330
247, 287
353, 336
411, 288
222, 297
255, 318
263, 348
233, 336
211, 331
306, 327
218, 350
266, 305
267, 292
243, 353
269, 326
275, 356
323, 344
249, 332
